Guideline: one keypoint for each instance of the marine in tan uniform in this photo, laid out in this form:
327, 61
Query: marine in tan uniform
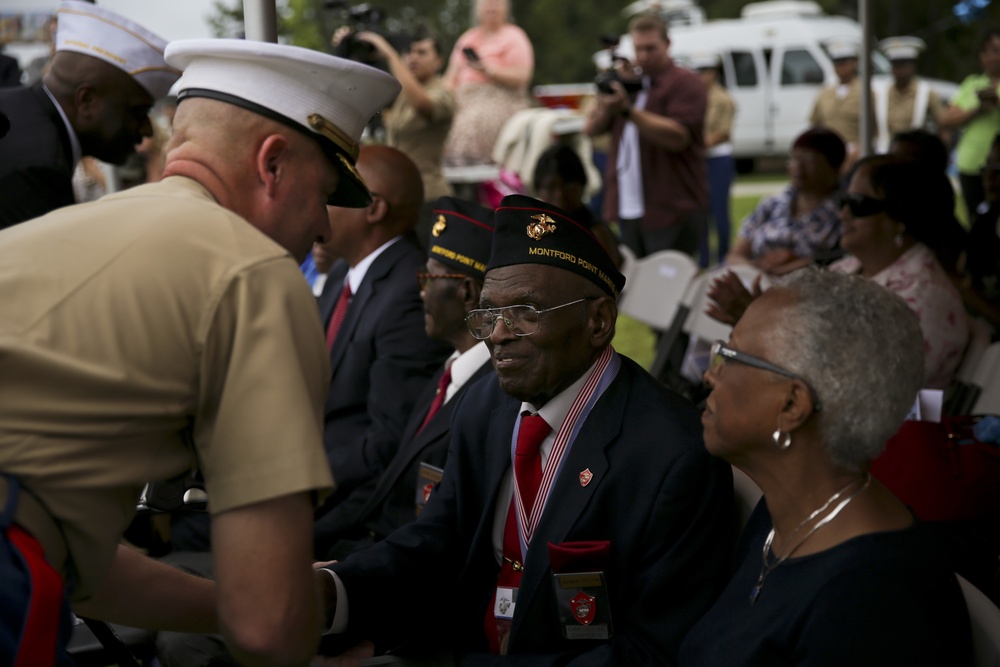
168, 327
838, 107
718, 153
908, 103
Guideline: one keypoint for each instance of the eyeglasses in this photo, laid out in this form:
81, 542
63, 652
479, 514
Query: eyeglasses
424, 279
860, 205
520, 320
721, 352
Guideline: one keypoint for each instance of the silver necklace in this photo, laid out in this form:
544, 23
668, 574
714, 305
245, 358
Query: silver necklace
769, 566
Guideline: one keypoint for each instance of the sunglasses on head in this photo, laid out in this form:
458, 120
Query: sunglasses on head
860, 205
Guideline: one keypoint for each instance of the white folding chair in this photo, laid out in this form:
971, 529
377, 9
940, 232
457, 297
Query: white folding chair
656, 286
987, 377
700, 325
628, 264
985, 619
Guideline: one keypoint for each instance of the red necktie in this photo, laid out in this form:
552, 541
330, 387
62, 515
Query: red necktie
528, 477
337, 318
438, 401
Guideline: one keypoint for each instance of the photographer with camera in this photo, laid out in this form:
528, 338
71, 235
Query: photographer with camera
656, 184
419, 120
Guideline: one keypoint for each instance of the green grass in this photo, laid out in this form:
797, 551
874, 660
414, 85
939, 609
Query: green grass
636, 340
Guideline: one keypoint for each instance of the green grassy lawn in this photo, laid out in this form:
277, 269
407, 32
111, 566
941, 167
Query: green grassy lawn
636, 340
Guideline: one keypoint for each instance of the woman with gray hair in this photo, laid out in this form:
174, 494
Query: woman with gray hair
833, 570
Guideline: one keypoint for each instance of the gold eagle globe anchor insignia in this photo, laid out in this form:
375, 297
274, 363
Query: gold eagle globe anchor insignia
543, 226
439, 226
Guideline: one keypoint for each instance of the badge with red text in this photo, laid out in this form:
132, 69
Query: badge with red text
584, 610
427, 477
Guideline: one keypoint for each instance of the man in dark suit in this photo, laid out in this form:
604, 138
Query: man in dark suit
94, 100
380, 356
579, 518
459, 247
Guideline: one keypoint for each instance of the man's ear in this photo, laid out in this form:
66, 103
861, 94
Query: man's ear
471, 289
271, 163
86, 99
603, 315
377, 210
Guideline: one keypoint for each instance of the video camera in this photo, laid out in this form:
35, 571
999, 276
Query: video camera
604, 80
362, 18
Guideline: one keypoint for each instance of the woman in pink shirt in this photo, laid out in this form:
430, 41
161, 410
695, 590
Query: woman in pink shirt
489, 71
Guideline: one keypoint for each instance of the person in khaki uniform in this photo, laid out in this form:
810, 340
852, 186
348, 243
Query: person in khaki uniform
718, 153
169, 327
908, 103
838, 107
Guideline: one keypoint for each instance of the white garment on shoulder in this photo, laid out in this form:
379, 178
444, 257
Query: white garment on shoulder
629, 167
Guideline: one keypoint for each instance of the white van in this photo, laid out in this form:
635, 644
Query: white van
773, 64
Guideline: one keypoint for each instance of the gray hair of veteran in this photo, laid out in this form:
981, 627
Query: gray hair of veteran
861, 349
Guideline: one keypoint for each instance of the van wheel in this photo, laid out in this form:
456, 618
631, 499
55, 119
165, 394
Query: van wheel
744, 165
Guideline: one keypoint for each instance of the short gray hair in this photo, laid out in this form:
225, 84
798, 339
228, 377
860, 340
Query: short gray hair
860, 347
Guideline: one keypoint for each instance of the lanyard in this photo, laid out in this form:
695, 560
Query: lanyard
604, 372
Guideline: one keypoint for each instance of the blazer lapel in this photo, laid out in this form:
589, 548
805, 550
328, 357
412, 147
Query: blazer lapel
570, 496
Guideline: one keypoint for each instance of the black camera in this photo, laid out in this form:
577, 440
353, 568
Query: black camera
364, 18
604, 80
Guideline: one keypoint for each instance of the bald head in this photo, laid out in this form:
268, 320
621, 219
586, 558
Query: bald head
395, 178
108, 109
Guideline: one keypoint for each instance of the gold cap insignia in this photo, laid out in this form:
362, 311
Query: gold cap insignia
543, 226
439, 225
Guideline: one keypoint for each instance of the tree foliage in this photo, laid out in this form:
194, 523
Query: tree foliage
565, 33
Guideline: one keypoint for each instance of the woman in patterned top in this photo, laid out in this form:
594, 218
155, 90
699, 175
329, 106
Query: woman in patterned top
787, 230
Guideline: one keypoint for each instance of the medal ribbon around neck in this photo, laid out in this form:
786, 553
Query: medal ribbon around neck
600, 379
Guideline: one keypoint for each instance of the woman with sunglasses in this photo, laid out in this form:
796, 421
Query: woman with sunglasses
831, 568
889, 229
890, 221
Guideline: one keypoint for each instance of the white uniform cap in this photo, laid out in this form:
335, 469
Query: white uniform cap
842, 49
704, 60
902, 48
330, 99
94, 31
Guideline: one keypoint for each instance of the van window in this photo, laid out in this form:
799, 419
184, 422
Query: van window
799, 67
744, 68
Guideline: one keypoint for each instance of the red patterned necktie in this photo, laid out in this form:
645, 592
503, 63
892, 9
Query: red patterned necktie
528, 477
438, 401
337, 318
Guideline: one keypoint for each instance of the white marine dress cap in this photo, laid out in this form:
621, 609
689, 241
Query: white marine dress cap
95, 31
840, 49
902, 48
330, 99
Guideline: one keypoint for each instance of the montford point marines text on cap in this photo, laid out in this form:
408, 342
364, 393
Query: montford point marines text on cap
461, 236
96, 32
529, 231
902, 48
328, 98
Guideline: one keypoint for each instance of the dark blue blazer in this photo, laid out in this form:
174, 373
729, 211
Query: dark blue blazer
372, 511
36, 162
381, 360
662, 501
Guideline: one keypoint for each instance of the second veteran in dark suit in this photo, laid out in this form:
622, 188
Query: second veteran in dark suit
93, 100
580, 519
380, 356
459, 241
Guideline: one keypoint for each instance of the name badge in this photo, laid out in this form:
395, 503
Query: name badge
584, 608
503, 608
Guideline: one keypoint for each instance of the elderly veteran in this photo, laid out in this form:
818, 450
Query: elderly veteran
579, 516
169, 327
832, 569
459, 241
106, 74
